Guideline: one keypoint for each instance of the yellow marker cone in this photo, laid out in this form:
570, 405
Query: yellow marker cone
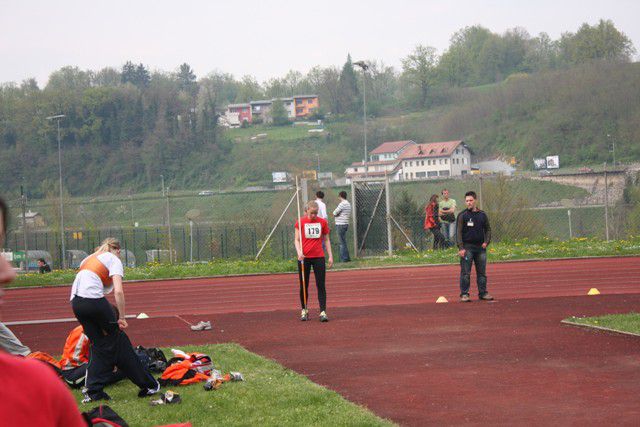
142, 316
441, 300
593, 291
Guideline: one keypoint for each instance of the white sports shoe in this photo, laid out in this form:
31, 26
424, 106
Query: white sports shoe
304, 315
202, 326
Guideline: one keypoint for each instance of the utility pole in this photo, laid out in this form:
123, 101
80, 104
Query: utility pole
23, 200
162, 179
364, 67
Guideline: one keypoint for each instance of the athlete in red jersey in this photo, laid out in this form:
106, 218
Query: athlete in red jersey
310, 254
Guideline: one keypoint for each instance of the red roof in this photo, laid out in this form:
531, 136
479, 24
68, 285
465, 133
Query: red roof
391, 147
432, 149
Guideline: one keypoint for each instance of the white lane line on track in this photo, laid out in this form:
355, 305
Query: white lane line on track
59, 320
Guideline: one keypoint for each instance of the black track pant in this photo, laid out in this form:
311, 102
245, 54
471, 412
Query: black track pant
110, 347
319, 270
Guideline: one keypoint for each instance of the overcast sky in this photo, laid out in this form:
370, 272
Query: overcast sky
264, 38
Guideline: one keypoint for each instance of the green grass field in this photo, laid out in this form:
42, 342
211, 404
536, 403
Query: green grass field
629, 322
271, 395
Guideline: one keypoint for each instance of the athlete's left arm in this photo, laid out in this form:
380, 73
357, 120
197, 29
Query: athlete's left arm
487, 231
118, 293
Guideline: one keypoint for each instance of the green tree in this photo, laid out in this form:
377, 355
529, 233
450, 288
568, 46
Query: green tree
249, 90
279, 113
601, 41
348, 94
186, 79
419, 69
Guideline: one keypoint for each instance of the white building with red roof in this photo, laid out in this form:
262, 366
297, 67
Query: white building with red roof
407, 160
435, 159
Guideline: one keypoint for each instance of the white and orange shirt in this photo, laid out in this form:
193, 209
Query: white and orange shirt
94, 279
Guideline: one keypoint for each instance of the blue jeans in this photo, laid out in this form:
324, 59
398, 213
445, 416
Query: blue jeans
344, 249
449, 231
478, 256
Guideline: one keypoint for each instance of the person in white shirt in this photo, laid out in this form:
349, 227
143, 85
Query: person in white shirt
100, 273
342, 214
322, 207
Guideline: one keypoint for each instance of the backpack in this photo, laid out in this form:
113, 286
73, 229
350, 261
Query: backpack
152, 358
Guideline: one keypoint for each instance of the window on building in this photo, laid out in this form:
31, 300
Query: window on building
432, 173
464, 160
309, 101
443, 173
421, 174
422, 163
406, 176
446, 161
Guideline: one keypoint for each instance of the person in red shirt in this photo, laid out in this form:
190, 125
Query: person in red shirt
31, 392
310, 230
432, 223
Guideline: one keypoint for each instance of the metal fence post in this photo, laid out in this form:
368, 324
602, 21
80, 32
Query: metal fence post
388, 201
606, 203
354, 220
570, 229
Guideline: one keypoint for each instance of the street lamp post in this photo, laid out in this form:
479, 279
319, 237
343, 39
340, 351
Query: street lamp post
64, 252
364, 67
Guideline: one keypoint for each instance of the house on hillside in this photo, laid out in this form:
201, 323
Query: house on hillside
261, 111
31, 219
305, 105
389, 150
237, 114
297, 107
407, 160
436, 159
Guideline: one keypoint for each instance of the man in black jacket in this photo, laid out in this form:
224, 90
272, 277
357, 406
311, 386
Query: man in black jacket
474, 235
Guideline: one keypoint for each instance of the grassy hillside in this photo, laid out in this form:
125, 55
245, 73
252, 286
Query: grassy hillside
577, 114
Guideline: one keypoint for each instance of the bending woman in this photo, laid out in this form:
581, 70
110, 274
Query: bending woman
100, 273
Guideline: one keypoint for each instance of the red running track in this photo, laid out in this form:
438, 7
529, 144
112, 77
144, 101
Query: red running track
508, 362
349, 288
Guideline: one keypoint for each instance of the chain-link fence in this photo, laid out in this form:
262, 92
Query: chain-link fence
387, 216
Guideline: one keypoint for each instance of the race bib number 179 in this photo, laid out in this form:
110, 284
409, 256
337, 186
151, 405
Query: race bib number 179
312, 231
